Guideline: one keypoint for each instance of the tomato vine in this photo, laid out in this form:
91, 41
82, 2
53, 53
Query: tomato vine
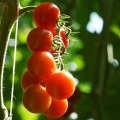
10, 11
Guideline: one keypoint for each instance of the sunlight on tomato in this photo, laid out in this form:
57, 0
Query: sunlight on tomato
39, 39
60, 85
46, 16
41, 64
36, 99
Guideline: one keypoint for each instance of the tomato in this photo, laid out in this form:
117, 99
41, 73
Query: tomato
28, 80
57, 108
39, 39
60, 85
41, 64
64, 38
36, 99
46, 16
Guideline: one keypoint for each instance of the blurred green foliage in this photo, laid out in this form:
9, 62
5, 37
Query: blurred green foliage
81, 58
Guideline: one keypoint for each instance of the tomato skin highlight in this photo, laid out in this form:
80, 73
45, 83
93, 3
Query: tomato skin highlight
41, 65
57, 108
60, 85
36, 99
39, 39
46, 16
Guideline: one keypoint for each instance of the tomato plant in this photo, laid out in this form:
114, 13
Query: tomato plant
39, 39
36, 99
46, 16
60, 85
41, 64
57, 108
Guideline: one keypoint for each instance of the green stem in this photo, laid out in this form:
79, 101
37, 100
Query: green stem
26, 9
9, 15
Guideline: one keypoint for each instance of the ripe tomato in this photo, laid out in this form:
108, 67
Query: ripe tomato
36, 99
46, 16
64, 38
41, 64
60, 85
28, 80
39, 39
57, 108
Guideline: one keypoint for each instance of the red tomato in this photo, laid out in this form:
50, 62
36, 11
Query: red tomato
36, 99
60, 85
57, 108
28, 80
39, 39
46, 16
64, 38
41, 65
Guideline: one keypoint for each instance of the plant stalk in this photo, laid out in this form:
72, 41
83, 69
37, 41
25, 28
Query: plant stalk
9, 16
11, 11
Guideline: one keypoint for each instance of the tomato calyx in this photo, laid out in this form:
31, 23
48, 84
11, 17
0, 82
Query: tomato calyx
61, 41
59, 51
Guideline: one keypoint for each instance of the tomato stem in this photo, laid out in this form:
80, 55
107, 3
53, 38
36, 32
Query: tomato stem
58, 44
60, 51
26, 9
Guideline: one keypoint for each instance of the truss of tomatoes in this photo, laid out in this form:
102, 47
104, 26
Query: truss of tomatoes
46, 84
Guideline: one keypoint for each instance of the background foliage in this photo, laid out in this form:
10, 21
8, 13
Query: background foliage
82, 60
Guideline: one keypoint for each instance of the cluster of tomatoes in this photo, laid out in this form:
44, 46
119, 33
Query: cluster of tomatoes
46, 85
